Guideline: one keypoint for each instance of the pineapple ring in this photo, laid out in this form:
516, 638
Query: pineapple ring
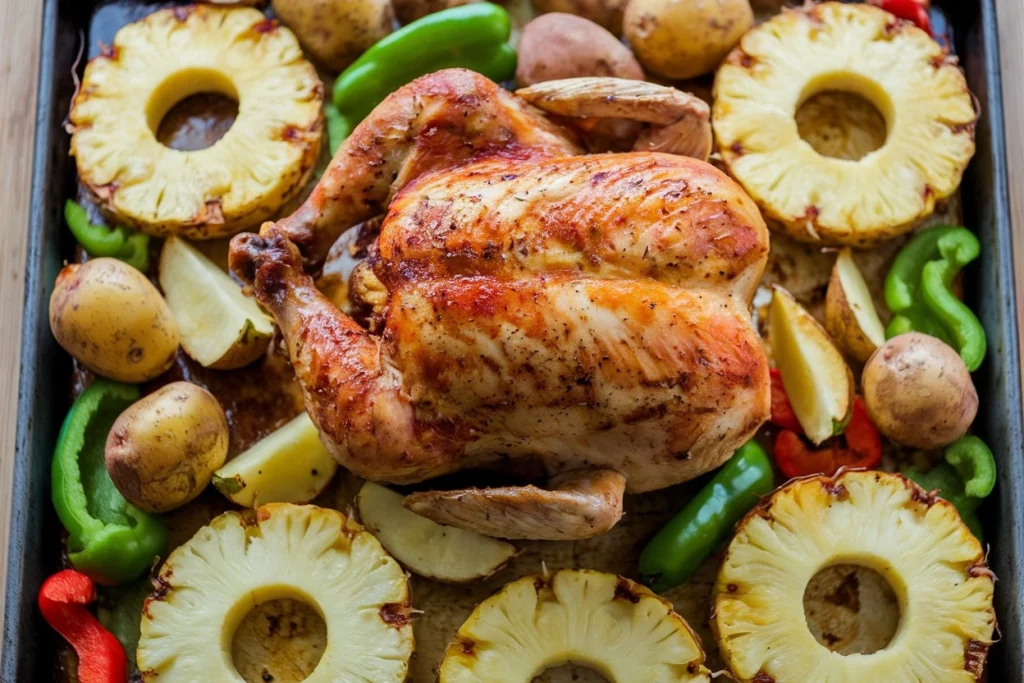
603, 621
857, 48
874, 519
260, 163
310, 554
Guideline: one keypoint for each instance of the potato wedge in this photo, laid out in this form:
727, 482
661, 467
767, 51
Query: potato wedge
850, 315
442, 553
220, 327
817, 379
290, 465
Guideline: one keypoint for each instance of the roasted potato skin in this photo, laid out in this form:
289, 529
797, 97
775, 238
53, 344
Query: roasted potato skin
411, 10
919, 392
842, 323
559, 45
112, 319
683, 39
336, 32
163, 450
606, 13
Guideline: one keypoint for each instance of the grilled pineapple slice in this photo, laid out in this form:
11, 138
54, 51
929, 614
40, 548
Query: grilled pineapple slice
877, 520
245, 177
860, 49
310, 554
603, 621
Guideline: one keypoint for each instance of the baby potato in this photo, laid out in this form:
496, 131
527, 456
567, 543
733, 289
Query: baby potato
685, 38
558, 45
336, 32
606, 13
919, 392
113, 320
163, 450
411, 10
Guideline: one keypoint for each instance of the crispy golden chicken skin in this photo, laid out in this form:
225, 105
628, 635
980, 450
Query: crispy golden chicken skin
580, 313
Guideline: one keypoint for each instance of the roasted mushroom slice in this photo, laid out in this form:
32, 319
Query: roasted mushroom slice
855, 48
302, 552
603, 621
263, 160
880, 521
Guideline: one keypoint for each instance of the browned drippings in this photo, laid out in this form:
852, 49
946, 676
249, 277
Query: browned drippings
197, 122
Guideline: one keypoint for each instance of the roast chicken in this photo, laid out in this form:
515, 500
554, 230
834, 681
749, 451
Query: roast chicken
537, 309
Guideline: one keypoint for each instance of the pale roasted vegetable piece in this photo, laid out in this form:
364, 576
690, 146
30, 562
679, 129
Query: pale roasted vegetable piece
438, 552
608, 623
113, 320
289, 465
685, 39
919, 392
163, 449
220, 327
336, 32
817, 379
301, 552
850, 314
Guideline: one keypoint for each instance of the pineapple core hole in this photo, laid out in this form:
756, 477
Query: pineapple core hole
844, 117
192, 109
280, 641
851, 609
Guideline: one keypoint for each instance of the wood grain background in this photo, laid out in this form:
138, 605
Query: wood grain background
19, 57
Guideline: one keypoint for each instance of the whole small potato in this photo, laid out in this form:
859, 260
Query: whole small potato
336, 32
411, 10
163, 450
560, 45
919, 392
606, 13
113, 320
685, 38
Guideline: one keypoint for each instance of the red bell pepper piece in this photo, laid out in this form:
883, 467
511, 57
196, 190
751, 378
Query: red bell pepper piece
863, 448
62, 600
782, 412
915, 11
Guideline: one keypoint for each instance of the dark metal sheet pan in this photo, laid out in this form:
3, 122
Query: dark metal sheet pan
43, 394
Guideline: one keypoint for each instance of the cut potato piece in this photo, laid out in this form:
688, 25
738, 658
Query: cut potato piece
220, 326
290, 465
850, 314
817, 379
438, 552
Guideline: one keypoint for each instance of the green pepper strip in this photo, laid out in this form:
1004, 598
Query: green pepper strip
98, 240
109, 540
691, 536
918, 290
472, 36
965, 478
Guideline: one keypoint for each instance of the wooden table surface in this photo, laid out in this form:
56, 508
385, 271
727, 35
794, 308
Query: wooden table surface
19, 49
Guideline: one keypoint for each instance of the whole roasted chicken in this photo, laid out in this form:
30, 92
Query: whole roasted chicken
539, 309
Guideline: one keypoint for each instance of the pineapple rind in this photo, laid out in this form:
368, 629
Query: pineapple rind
854, 47
302, 552
262, 161
609, 623
919, 544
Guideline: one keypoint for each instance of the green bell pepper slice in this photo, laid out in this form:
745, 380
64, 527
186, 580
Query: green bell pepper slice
918, 290
965, 478
98, 240
676, 551
473, 36
109, 540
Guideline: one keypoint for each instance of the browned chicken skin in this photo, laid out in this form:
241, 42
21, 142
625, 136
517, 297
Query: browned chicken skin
588, 314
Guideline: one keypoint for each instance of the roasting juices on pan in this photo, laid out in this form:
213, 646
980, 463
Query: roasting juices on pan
544, 371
